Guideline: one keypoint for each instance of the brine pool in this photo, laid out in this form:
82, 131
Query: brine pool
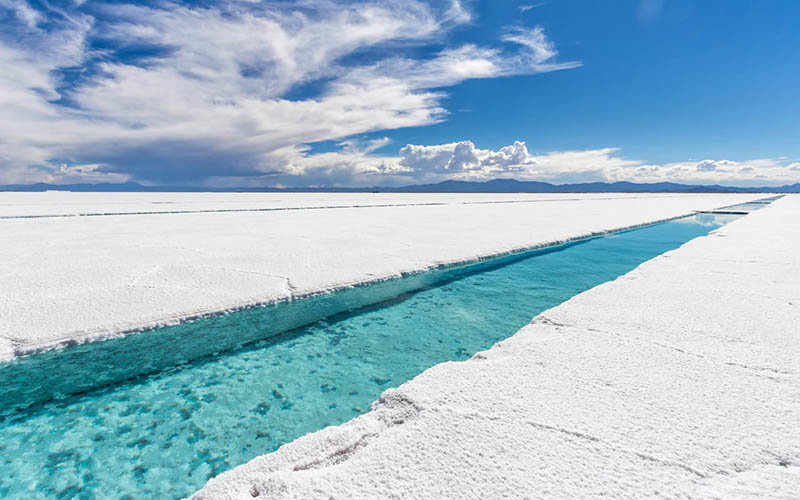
164, 434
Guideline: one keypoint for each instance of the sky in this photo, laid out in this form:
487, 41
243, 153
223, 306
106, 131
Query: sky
302, 93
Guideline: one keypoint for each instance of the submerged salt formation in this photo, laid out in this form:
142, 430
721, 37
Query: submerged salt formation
117, 273
679, 379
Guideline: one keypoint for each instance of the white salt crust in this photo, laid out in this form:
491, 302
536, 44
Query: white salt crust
69, 278
680, 379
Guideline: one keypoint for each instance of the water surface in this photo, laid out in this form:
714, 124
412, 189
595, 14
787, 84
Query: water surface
164, 435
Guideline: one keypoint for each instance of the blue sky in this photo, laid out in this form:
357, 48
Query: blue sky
324, 92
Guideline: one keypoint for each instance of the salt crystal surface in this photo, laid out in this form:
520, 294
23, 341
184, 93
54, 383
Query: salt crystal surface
77, 278
65, 203
679, 379
6, 350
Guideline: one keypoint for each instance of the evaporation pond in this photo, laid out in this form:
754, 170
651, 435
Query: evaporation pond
164, 435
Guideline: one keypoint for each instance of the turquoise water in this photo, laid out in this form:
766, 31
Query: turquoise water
750, 205
165, 434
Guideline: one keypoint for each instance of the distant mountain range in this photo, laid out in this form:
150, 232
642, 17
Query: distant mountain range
493, 186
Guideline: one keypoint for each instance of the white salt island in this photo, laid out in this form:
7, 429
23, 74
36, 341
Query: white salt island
680, 379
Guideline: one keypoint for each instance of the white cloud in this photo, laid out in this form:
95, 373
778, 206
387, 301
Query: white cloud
70, 174
215, 100
527, 7
464, 161
222, 99
540, 49
755, 172
24, 12
706, 166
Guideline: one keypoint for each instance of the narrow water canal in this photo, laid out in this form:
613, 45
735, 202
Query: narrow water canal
165, 434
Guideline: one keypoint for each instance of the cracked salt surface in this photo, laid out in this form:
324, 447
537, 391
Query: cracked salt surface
679, 379
70, 279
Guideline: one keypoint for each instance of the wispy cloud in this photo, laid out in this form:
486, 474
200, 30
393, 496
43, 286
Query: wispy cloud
165, 92
527, 7
232, 93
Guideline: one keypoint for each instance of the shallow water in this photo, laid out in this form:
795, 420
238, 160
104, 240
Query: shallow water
750, 206
165, 435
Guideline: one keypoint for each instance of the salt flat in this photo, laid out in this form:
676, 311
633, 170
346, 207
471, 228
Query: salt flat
65, 203
165, 257
679, 379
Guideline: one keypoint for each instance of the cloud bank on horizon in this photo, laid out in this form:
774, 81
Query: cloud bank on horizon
239, 92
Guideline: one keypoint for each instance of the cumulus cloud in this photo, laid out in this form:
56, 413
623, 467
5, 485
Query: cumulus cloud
755, 172
171, 93
706, 166
464, 161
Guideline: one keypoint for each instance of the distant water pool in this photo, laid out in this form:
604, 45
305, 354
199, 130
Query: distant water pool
164, 435
749, 206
